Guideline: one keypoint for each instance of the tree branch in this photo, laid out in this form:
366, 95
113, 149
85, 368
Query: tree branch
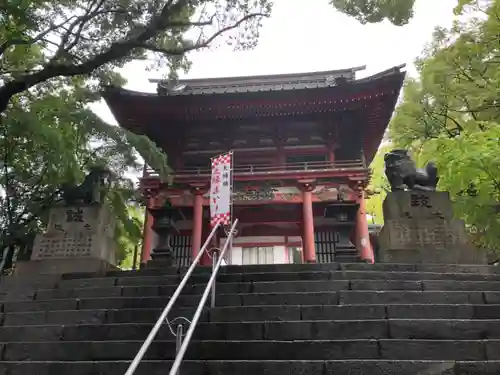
116, 51
80, 22
10, 43
197, 46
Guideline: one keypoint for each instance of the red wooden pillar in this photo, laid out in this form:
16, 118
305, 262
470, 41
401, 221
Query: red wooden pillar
197, 222
280, 156
308, 224
205, 259
363, 243
331, 156
331, 152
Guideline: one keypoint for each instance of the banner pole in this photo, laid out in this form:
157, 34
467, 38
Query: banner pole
230, 252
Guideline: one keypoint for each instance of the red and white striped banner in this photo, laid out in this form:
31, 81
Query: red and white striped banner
221, 189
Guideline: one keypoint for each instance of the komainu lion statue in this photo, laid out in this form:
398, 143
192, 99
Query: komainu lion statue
402, 172
92, 190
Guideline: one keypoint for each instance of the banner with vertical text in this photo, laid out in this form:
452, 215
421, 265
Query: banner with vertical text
221, 189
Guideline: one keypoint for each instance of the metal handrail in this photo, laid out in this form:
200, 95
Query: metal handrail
196, 317
154, 331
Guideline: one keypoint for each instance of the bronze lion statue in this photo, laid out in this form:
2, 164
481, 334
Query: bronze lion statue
402, 173
92, 190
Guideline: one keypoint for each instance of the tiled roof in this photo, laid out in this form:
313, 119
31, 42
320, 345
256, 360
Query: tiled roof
256, 83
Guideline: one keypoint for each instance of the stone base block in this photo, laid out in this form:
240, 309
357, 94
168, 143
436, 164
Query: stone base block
419, 228
62, 266
457, 255
417, 205
435, 241
78, 235
410, 233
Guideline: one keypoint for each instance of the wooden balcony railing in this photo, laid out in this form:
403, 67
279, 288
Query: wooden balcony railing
248, 170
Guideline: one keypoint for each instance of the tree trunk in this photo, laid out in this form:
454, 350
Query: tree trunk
4, 102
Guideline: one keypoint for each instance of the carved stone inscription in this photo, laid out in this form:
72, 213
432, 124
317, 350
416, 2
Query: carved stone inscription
74, 215
77, 232
64, 246
431, 233
402, 234
437, 233
420, 200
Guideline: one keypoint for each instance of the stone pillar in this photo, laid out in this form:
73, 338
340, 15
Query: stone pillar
78, 239
197, 222
308, 224
363, 244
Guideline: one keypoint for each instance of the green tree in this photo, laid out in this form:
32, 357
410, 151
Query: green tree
72, 38
130, 244
371, 11
50, 137
378, 187
44, 39
451, 114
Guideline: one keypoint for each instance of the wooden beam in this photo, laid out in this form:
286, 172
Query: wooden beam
268, 215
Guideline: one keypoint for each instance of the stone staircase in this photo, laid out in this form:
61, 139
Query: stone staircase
320, 319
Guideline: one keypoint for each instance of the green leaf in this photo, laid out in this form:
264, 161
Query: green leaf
451, 114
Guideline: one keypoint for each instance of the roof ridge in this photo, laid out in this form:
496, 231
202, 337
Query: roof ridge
265, 77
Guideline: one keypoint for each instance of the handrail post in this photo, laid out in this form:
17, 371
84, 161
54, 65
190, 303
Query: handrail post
178, 341
215, 258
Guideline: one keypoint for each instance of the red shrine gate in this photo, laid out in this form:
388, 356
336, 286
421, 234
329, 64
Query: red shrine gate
302, 145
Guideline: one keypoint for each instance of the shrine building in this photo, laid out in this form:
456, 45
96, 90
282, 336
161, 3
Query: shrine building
302, 145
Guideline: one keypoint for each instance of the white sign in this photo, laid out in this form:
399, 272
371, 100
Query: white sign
220, 189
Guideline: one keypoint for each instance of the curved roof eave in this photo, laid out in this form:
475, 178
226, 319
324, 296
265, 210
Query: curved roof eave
119, 91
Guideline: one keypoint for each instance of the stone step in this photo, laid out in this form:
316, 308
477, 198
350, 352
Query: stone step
448, 268
425, 329
340, 367
466, 350
347, 257
394, 267
256, 314
71, 317
44, 280
35, 282
348, 297
255, 287
12, 289
338, 275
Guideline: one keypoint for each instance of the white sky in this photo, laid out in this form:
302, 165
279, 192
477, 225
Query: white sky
310, 38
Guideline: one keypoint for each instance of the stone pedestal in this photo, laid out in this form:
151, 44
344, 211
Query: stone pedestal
419, 228
78, 239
